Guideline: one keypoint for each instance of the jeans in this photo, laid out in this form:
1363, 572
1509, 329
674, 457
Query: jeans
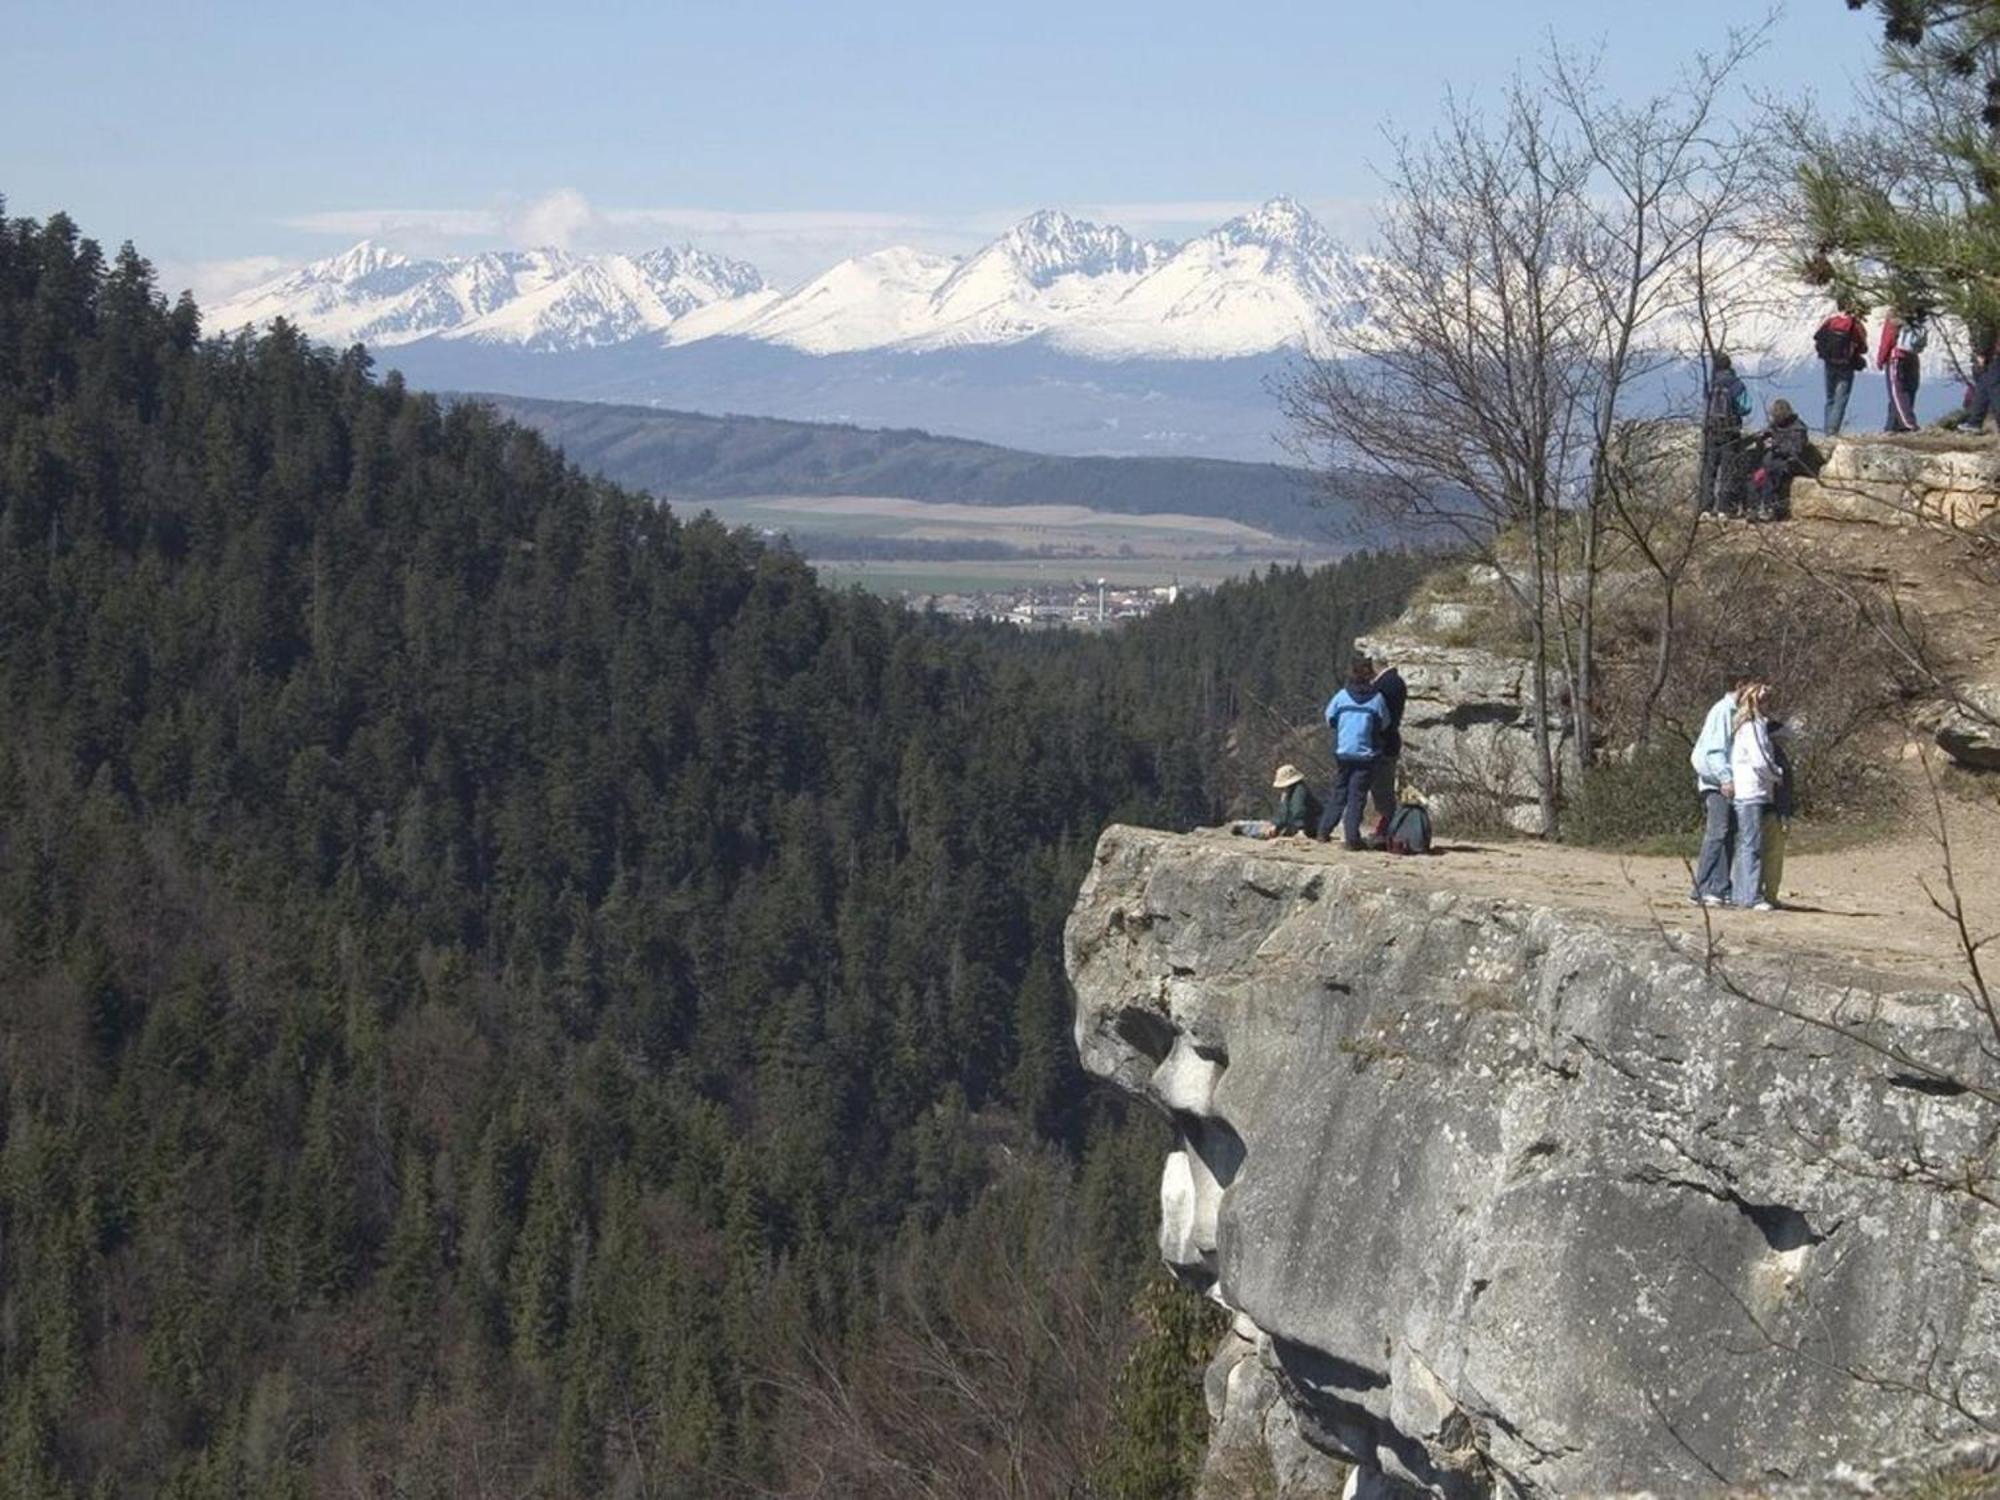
1382, 786
1720, 466
1350, 795
1711, 870
1839, 386
1985, 395
1749, 875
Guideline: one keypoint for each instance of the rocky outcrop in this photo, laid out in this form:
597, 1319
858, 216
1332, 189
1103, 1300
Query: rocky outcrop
1939, 479
1468, 726
1512, 1200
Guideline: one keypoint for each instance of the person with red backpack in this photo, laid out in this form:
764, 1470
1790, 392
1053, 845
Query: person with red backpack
1841, 343
1899, 358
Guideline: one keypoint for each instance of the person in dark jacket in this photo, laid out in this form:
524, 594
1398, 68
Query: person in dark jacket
1982, 396
1299, 811
1722, 471
1778, 816
1842, 346
1357, 716
1785, 451
1382, 779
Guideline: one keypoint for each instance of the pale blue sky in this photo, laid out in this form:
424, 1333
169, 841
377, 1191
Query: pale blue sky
791, 134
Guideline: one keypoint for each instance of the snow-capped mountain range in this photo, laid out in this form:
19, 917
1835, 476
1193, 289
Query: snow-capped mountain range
1262, 282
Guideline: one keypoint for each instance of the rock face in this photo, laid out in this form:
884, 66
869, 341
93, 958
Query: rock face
1468, 726
1922, 479
1515, 1201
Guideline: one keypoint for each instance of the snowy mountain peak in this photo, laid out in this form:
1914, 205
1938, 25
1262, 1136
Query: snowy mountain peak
1280, 224
359, 261
1265, 280
1049, 244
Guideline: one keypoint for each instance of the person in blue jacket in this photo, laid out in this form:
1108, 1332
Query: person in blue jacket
1359, 719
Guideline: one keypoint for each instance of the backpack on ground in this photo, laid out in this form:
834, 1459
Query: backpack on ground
1410, 829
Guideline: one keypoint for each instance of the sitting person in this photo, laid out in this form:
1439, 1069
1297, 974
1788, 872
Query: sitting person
1298, 810
1785, 451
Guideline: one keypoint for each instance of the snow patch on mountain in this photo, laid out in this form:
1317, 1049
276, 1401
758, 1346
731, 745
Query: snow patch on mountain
1262, 282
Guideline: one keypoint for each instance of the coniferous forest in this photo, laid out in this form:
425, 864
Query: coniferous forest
507, 990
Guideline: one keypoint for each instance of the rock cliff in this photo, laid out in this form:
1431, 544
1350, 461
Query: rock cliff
1516, 1200
1929, 478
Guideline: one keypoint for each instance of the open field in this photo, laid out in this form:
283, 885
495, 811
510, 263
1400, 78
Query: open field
1058, 543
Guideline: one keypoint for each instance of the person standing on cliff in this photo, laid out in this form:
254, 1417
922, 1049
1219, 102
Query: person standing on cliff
1841, 343
1382, 779
1721, 484
1717, 791
1899, 354
1754, 777
1357, 716
1982, 393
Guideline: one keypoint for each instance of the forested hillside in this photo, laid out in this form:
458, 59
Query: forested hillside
685, 454
503, 991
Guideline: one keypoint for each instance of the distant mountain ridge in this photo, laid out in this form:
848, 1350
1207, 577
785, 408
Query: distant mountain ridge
1262, 282
687, 456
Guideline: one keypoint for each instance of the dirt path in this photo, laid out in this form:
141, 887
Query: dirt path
1862, 906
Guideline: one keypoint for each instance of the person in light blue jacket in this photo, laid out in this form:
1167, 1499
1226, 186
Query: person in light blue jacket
1710, 758
1359, 719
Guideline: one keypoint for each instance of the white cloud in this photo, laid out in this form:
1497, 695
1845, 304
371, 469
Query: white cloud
563, 219
214, 281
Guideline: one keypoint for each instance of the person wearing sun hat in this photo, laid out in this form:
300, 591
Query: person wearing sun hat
1298, 809
1298, 812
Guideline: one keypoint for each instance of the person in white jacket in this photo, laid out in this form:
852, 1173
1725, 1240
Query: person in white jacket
1710, 759
1754, 775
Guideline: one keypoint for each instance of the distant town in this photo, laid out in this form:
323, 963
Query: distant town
1079, 604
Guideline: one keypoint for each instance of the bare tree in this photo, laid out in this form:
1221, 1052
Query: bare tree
1451, 410
1666, 244
1538, 277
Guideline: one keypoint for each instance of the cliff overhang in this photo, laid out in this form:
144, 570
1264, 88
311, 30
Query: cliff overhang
1519, 1200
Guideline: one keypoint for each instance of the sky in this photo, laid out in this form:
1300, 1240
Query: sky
230, 140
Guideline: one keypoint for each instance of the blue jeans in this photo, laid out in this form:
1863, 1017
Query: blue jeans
1350, 796
1839, 386
1711, 870
1749, 880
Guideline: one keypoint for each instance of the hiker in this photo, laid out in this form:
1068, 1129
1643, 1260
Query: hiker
1710, 758
1898, 355
1382, 780
1722, 439
1982, 393
1298, 811
1753, 774
1778, 816
1785, 451
1357, 716
1841, 343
